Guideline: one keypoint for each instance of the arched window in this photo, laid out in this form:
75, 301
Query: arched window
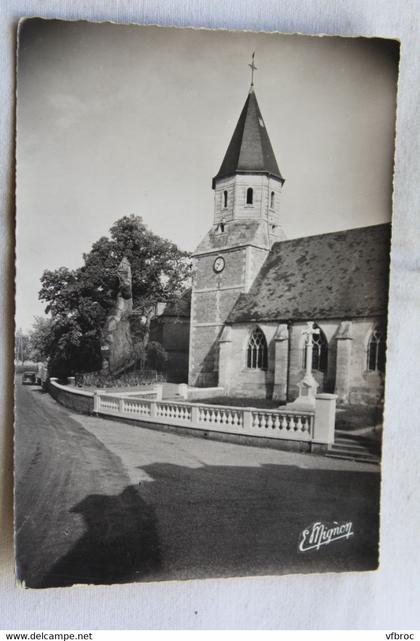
319, 352
272, 200
257, 350
225, 199
376, 351
249, 196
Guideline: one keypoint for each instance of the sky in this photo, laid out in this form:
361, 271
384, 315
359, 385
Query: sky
114, 120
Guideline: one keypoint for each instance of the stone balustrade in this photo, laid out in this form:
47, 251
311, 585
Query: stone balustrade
309, 426
315, 426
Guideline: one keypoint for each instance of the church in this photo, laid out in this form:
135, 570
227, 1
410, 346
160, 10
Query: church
254, 291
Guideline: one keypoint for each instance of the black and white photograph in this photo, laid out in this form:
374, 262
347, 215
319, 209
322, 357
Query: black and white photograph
203, 234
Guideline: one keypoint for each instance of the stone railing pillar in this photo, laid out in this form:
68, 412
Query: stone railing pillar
344, 347
96, 402
225, 358
194, 415
324, 424
153, 409
281, 362
247, 419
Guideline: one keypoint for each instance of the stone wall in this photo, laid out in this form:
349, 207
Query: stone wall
232, 275
213, 297
365, 386
347, 374
70, 397
243, 381
204, 354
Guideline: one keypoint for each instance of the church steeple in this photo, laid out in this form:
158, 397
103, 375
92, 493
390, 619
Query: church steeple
248, 184
246, 224
250, 150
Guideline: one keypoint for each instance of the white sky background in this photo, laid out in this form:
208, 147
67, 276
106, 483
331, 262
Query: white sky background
114, 120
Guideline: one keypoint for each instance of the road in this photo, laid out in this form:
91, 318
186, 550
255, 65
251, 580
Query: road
101, 501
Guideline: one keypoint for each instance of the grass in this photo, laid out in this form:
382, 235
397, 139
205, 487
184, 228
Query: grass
348, 418
232, 401
355, 417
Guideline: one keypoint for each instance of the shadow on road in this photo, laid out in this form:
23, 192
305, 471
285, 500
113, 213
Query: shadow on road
242, 520
221, 521
120, 543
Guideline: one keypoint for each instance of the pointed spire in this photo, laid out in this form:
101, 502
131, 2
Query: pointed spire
250, 149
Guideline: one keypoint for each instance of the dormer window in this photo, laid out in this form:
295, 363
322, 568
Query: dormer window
225, 199
272, 195
249, 196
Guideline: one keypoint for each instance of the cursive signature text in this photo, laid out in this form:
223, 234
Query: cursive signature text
320, 534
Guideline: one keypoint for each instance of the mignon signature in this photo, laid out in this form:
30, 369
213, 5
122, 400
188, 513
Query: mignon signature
320, 534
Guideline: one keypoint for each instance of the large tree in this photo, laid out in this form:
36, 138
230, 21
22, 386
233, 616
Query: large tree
79, 300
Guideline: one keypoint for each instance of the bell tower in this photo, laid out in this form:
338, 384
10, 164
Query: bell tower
246, 223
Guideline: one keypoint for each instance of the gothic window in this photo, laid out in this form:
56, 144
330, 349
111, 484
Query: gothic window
272, 200
319, 352
257, 350
376, 351
225, 199
249, 196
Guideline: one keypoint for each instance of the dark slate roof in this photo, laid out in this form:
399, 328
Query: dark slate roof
250, 148
339, 275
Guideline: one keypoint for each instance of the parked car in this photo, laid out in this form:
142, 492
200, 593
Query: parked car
29, 378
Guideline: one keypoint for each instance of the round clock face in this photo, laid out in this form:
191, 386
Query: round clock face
219, 264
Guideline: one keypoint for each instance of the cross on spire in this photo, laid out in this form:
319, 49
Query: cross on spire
253, 68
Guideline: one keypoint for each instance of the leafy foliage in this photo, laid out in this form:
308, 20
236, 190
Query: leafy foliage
22, 347
134, 378
80, 300
40, 338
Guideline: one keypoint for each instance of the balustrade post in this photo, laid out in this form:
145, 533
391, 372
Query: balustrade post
121, 405
247, 420
324, 418
153, 409
194, 415
96, 402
